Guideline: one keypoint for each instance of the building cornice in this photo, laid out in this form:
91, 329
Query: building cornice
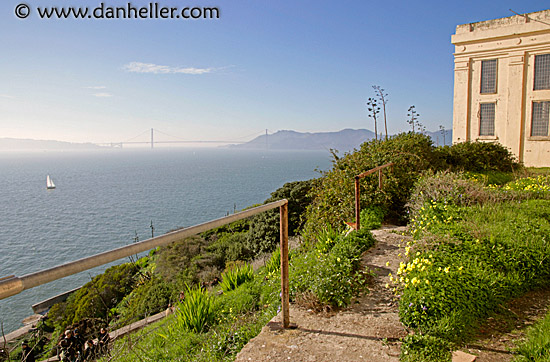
514, 26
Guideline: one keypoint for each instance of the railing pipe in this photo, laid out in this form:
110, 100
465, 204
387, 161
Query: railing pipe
13, 285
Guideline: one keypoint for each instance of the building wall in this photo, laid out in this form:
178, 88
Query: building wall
514, 42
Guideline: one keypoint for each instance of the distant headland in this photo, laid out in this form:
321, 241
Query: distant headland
18, 144
344, 141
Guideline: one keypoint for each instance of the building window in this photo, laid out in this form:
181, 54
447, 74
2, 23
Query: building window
489, 76
487, 119
542, 72
540, 119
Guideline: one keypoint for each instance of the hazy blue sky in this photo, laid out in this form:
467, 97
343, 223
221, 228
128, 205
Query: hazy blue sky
276, 64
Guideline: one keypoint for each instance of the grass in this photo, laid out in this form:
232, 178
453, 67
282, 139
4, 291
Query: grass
536, 346
464, 263
538, 170
239, 315
215, 326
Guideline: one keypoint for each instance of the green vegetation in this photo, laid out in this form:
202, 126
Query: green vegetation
536, 346
478, 157
371, 218
480, 237
196, 312
333, 196
236, 275
473, 250
238, 316
208, 328
330, 276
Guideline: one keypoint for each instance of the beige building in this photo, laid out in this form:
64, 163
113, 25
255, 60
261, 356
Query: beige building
502, 84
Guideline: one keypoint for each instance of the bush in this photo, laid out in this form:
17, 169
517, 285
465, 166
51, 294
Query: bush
330, 279
451, 188
235, 276
228, 247
478, 156
333, 196
97, 298
372, 217
264, 231
196, 313
147, 299
179, 260
420, 348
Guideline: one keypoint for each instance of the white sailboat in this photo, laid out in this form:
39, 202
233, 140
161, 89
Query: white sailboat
49, 183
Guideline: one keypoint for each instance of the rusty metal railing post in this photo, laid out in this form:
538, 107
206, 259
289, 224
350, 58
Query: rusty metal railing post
285, 298
357, 204
380, 179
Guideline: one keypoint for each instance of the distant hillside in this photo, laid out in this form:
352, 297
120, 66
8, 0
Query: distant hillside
344, 140
15, 144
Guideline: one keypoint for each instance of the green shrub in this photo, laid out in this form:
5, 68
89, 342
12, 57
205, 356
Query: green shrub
147, 299
97, 298
264, 231
332, 278
228, 247
196, 313
372, 217
235, 276
179, 260
333, 196
420, 348
478, 156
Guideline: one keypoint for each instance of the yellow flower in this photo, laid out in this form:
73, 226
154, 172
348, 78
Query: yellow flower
387, 263
387, 286
427, 282
338, 259
446, 270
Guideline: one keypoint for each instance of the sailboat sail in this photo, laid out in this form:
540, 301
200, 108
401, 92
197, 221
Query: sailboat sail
49, 183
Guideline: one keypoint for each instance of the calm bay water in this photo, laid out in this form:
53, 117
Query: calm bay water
104, 197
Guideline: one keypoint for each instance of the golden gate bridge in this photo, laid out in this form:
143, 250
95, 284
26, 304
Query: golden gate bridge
151, 139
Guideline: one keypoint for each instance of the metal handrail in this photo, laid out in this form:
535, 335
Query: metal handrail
13, 285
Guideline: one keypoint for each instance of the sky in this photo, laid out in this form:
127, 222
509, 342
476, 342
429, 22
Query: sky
303, 65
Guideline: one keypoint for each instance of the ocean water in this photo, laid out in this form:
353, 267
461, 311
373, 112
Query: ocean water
103, 198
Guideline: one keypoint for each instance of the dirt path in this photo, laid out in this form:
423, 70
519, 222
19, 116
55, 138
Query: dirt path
497, 338
369, 330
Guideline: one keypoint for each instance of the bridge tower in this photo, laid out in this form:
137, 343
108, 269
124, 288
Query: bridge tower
152, 138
